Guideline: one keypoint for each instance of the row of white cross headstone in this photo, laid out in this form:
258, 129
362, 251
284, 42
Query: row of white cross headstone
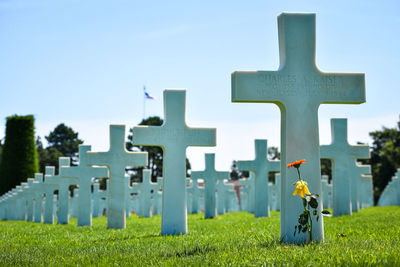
298, 88
259, 200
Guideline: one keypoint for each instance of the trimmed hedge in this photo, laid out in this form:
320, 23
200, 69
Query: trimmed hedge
19, 159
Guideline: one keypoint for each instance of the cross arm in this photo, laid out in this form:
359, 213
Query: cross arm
342, 88
97, 158
201, 137
274, 166
147, 135
246, 165
360, 151
325, 151
260, 86
197, 175
222, 175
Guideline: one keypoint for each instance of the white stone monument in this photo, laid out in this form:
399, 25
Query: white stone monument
356, 185
195, 192
249, 183
64, 183
344, 170
210, 176
298, 87
326, 192
51, 185
261, 167
146, 191
366, 195
391, 194
39, 191
174, 136
116, 160
82, 175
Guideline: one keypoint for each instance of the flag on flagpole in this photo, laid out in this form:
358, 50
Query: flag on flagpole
147, 95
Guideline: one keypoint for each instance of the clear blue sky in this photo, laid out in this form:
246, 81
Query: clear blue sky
84, 63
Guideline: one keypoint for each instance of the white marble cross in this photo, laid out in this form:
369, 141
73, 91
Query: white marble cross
194, 190
63, 190
298, 88
128, 190
96, 200
223, 196
210, 176
157, 197
391, 194
366, 195
51, 184
116, 160
146, 190
249, 183
174, 136
261, 167
39, 189
30, 199
83, 174
275, 192
356, 185
326, 196
344, 170
21, 201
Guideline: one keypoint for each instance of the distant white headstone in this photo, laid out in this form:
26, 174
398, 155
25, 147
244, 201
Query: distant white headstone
261, 167
174, 136
210, 176
146, 191
356, 185
116, 159
249, 183
344, 168
83, 174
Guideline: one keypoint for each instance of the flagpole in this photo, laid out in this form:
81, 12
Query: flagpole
144, 102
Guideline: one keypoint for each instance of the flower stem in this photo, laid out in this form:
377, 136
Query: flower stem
298, 171
309, 230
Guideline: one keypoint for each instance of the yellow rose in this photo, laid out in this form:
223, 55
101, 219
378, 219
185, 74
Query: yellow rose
301, 189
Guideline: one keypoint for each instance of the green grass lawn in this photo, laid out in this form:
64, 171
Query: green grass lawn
370, 237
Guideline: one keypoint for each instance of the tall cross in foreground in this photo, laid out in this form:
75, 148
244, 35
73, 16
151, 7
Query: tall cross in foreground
298, 87
174, 136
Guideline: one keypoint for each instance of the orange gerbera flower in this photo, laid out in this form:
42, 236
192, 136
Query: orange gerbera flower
296, 164
301, 189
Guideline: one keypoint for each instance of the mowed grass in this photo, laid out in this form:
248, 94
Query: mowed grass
370, 237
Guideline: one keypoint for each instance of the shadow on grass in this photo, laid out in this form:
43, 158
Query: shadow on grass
189, 252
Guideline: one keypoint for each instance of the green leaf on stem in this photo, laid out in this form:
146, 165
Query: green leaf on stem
313, 203
304, 202
326, 213
303, 218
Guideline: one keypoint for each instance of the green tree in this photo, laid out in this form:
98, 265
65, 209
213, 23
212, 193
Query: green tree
235, 173
155, 154
63, 141
385, 157
19, 158
1, 149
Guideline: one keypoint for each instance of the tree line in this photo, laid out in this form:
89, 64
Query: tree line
21, 155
